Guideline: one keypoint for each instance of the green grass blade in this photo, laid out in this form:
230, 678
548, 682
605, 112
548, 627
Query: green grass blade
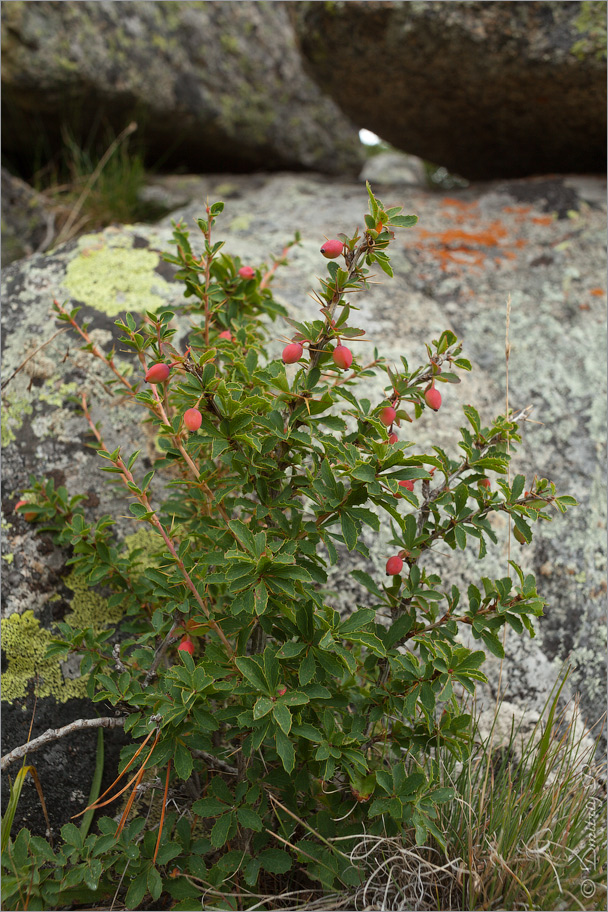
95, 785
13, 801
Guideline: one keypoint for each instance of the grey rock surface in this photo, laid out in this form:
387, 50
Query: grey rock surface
470, 253
485, 89
215, 85
27, 219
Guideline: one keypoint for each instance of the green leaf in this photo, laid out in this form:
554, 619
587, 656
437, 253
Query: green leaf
262, 706
137, 891
209, 807
349, 530
364, 473
461, 536
282, 717
252, 671
221, 828
307, 669
275, 860
285, 751
155, 883
493, 644
357, 620
249, 819
183, 762
307, 731
366, 580
404, 221
519, 483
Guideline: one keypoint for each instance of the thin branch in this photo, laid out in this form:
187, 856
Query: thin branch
54, 734
29, 357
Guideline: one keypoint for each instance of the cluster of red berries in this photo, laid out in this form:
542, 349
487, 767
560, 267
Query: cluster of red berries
342, 356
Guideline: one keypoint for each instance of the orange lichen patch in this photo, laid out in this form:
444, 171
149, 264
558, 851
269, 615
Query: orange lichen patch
543, 220
491, 237
597, 291
517, 210
458, 204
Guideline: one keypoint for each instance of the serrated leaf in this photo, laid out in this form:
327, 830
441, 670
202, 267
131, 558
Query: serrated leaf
221, 828
249, 819
349, 530
366, 580
519, 483
137, 891
282, 716
252, 671
275, 860
209, 807
182, 760
357, 620
262, 706
307, 669
285, 751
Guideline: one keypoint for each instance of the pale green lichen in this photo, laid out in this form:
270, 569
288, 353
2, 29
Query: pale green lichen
111, 276
241, 223
25, 641
56, 393
149, 542
13, 416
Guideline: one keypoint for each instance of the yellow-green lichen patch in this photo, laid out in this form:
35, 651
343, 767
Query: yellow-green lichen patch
56, 393
13, 416
149, 542
25, 641
111, 276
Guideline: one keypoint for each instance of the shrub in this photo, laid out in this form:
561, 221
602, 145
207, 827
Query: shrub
290, 724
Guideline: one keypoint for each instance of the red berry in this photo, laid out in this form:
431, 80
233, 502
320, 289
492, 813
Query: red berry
226, 334
484, 483
292, 353
332, 249
157, 373
433, 398
405, 484
246, 272
186, 645
342, 356
392, 438
281, 690
193, 419
394, 566
388, 415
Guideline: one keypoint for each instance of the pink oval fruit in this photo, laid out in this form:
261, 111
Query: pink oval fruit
157, 373
193, 419
332, 249
292, 353
226, 334
246, 272
432, 398
186, 645
394, 566
343, 357
388, 415
392, 438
